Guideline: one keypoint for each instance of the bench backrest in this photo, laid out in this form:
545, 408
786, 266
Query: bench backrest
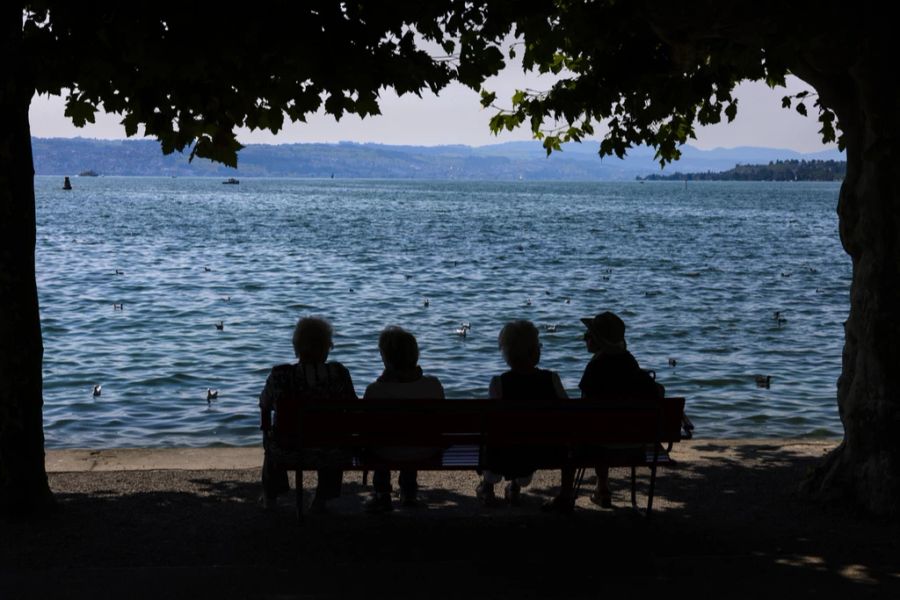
441, 422
587, 423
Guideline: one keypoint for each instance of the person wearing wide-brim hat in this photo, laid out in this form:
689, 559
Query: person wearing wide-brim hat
605, 333
612, 374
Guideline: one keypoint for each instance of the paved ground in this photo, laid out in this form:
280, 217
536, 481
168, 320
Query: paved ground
185, 523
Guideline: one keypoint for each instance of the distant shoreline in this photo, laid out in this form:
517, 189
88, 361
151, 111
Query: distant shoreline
510, 161
250, 178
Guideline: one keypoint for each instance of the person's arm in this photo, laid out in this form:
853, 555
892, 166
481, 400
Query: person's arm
495, 389
599, 379
348, 392
266, 404
558, 387
588, 382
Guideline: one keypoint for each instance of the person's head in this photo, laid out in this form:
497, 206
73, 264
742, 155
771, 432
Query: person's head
312, 339
399, 349
518, 341
605, 332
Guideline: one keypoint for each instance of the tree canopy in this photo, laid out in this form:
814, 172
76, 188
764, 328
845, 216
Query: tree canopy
649, 71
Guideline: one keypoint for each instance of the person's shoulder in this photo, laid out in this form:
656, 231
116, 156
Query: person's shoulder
279, 379
374, 390
596, 364
551, 374
281, 371
432, 385
629, 357
431, 380
336, 367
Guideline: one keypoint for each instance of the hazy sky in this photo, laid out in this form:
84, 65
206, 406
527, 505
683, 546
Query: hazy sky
456, 117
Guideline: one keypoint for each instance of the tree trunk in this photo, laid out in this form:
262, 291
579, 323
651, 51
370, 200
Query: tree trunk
23, 478
866, 467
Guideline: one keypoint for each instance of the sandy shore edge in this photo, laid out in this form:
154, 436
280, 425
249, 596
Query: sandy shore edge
229, 458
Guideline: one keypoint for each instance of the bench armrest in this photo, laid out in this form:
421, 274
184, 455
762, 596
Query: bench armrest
687, 427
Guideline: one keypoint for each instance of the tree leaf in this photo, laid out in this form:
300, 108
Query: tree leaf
731, 110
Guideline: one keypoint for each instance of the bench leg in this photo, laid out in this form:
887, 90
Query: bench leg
299, 481
579, 478
650, 492
653, 465
634, 488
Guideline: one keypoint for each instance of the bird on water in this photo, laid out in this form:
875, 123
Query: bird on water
764, 381
463, 329
98, 389
211, 395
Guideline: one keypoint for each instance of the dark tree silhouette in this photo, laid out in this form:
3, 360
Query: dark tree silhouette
650, 70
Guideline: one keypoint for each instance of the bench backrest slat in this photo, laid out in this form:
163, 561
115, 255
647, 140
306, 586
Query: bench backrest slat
444, 422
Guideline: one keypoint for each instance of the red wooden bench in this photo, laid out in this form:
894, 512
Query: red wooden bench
574, 434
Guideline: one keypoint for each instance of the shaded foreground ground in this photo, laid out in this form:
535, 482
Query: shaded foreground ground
728, 522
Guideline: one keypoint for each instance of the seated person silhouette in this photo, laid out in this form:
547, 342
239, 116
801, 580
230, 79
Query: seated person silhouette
311, 380
524, 382
402, 379
612, 375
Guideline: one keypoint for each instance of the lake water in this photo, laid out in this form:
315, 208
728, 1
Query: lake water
695, 271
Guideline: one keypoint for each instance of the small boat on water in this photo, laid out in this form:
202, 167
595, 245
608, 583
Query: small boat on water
231, 181
88, 173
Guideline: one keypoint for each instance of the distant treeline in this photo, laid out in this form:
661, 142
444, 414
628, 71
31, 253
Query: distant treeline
507, 161
779, 170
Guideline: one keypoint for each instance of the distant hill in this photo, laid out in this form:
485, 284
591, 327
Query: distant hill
778, 170
507, 161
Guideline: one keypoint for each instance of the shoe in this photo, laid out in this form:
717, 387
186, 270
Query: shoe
317, 507
409, 501
267, 503
379, 504
512, 493
485, 495
602, 500
559, 505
